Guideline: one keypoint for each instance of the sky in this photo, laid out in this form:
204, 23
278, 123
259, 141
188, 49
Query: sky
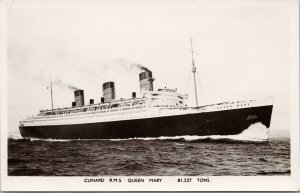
242, 51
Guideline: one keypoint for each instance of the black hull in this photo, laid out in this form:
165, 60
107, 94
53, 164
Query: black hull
228, 122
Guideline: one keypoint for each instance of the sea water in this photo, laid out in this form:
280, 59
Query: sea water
248, 154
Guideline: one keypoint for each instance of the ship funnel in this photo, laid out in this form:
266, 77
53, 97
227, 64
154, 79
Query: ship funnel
108, 89
79, 97
146, 81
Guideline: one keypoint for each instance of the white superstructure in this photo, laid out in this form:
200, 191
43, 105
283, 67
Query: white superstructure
160, 103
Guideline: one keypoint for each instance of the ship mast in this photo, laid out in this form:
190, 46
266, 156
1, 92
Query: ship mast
51, 93
194, 72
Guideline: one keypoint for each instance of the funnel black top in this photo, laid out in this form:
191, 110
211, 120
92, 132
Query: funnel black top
78, 93
145, 75
108, 85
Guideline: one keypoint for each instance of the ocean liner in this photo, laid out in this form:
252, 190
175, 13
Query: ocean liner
154, 113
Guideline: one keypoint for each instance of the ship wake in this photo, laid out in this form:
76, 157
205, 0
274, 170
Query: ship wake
256, 132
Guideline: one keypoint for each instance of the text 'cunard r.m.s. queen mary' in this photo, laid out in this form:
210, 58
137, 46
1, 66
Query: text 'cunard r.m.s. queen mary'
154, 113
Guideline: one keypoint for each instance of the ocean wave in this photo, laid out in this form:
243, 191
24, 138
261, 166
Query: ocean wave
15, 136
274, 173
51, 140
36, 139
27, 172
256, 132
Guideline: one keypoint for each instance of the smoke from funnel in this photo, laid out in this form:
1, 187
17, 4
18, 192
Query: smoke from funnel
64, 85
46, 80
142, 67
129, 65
119, 65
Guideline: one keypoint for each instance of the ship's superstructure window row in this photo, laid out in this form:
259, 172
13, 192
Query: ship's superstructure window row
132, 112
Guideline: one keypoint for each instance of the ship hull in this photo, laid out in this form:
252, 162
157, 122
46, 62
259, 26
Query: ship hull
227, 122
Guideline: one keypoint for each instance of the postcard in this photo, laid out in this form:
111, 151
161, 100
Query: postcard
159, 95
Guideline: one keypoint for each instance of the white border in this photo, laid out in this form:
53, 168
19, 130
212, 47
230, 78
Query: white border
273, 183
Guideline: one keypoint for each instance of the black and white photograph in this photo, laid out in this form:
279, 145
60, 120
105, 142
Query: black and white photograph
127, 95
